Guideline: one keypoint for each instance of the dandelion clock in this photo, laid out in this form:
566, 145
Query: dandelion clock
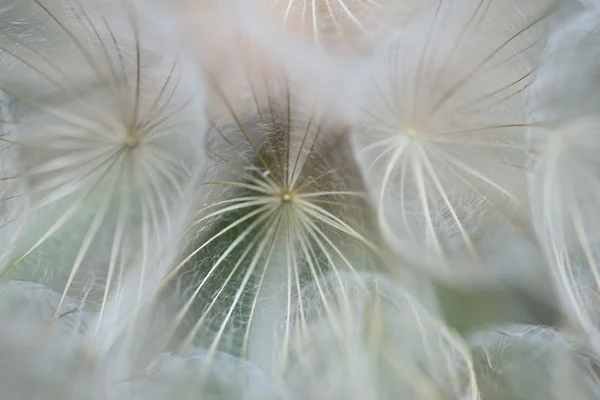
283, 210
108, 127
439, 135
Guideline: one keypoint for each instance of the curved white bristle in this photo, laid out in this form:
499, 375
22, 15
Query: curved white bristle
283, 209
534, 363
565, 184
366, 338
299, 199
440, 126
9, 159
110, 132
336, 25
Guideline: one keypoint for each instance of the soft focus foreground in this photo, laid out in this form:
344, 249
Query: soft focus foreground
299, 199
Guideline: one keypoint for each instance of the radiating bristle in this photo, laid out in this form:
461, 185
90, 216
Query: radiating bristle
109, 128
283, 211
440, 129
299, 199
354, 24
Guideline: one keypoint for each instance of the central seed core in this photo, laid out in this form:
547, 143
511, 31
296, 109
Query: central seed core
411, 131
132, 140
286, 197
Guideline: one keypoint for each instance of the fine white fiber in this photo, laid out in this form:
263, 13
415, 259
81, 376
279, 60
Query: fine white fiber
281, 213
299, 199
532, 362
565, 185
109, 126
439, 134
363, 337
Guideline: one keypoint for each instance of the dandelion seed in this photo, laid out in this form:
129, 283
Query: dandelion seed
150, 255
262, 236
440, 131
109, 128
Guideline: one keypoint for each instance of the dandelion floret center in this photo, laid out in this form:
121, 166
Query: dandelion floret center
410, 131
287, 197
131, 140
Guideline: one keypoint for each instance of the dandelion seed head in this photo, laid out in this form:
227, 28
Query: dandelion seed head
439, 128
262, 235
109, 126
279, 199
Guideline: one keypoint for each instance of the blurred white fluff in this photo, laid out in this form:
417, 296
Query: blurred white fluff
337, 26
109, 127
41, 359
195, 376
565, 180
44, 357
321, 42
146, 255
439, 135
525, 362
362, 337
